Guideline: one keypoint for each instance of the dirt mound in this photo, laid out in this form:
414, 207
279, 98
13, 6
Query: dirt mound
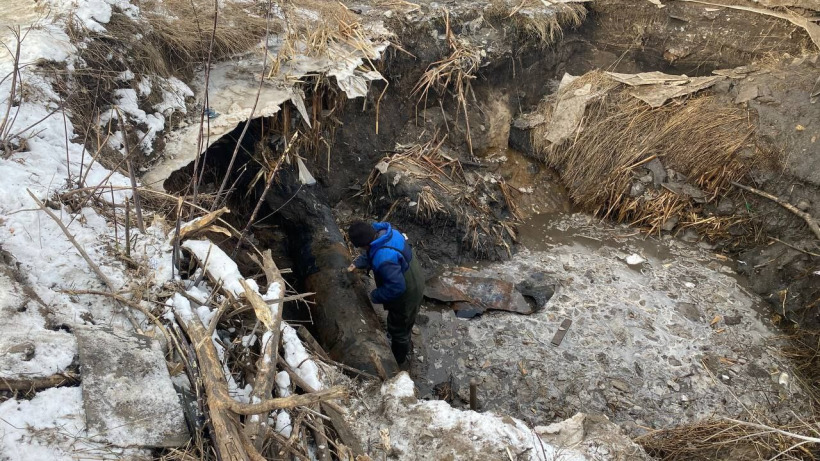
655, 167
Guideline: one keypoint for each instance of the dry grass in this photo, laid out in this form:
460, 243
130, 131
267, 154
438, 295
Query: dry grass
182, 30
433, 190
727, 439
697, 137
455, 72
530, 19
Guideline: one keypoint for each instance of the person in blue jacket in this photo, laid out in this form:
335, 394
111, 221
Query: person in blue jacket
399, 279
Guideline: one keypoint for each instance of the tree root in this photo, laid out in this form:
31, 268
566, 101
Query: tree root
811, 221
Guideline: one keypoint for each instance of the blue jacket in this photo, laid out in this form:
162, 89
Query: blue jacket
389, 257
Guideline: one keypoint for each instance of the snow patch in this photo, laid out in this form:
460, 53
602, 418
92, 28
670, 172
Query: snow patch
52, 426
298, 359
283, 425
283, 384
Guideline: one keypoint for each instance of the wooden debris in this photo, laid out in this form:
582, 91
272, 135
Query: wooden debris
348, 438
232, 440
266, 365
562, 331
203, 224
36, 384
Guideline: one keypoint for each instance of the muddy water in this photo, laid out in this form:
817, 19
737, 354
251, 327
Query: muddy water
539, 189
673, 338
538, 233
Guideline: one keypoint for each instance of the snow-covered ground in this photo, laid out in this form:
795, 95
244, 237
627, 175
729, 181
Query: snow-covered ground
48, 159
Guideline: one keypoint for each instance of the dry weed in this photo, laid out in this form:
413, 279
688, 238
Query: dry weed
530, 19
731, 439
455, 71
710, 143
434, 190
182, 30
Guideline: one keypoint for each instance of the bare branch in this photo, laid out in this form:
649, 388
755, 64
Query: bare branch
815, 228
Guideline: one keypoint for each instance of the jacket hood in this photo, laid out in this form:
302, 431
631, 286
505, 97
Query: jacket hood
384, 238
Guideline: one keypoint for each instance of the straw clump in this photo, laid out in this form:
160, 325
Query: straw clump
732, 439
703, 142
184, 30
531, 19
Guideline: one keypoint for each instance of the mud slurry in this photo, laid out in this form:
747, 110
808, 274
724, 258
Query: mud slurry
672, 340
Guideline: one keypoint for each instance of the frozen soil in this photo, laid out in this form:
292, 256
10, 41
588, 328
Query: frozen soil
675, 339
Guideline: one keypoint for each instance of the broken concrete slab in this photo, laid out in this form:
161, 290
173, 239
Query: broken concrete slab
477, 294
128, 396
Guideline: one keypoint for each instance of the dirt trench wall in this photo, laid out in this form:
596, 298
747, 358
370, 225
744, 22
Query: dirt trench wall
515, 72
688, 37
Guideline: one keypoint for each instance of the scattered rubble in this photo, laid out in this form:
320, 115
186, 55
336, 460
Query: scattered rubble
671, 340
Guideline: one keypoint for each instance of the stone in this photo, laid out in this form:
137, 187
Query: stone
637, 189
725, 207
803, 205
658, 171
540, 292
746, 92
128, 395
690, 311
670, 223
732, 319
620, 385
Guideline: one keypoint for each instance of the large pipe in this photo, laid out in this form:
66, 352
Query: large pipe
346, 324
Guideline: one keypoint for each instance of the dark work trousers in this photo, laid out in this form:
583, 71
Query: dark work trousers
402, 312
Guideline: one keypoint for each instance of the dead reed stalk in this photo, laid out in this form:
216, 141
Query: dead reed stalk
708, 143
733, 439
533, 19
455, 72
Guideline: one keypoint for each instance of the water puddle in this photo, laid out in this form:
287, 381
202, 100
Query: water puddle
539, 233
